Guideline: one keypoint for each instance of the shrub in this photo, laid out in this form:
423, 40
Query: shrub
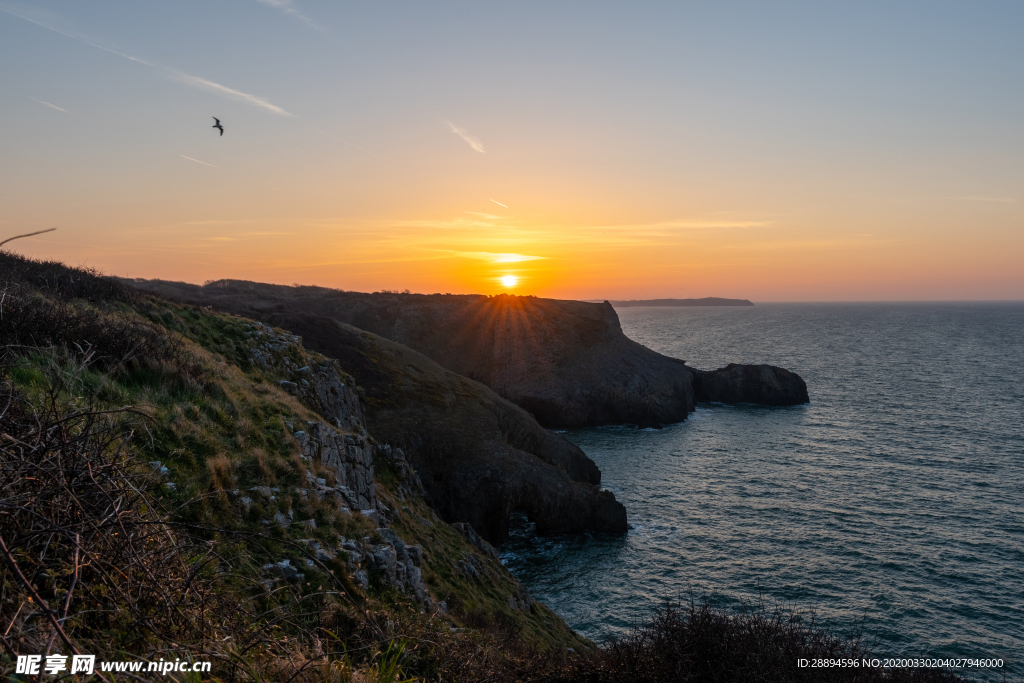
86, 552
698, 642
60, 280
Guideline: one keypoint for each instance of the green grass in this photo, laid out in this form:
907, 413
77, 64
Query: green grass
225, 427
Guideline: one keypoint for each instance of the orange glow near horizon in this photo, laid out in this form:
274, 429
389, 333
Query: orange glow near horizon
763, 259
570, 237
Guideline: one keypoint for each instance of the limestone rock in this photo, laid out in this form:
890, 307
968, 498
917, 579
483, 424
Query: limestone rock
470, 534
760, 384
264, 491
349, 456
282, 569
399, 568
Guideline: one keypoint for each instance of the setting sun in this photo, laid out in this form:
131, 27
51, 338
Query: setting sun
509, 281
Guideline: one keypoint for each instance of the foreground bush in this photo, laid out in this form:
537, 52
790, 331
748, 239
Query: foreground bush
698, 642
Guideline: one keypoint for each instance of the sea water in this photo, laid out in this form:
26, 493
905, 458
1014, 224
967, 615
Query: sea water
894, 500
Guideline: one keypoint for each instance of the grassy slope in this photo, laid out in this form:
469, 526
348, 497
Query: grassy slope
223, 425
239, 439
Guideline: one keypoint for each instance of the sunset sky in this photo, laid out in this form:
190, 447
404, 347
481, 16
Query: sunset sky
776, 151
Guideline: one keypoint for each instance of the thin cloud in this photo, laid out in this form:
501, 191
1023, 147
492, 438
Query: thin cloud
485, 236
210, 86
660, 228
470, 140
242, 235
75, 36
461, 222
718, 224
288, 7
493, 257
498, 203
51, 106
186, 79
199, 162
1000, 200
212, 222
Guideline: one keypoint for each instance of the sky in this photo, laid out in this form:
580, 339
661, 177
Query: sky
773, 151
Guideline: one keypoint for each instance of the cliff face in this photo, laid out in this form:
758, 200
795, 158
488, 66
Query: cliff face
478, 455
566, 362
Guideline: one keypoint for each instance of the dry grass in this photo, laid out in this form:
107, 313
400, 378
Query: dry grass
698, 642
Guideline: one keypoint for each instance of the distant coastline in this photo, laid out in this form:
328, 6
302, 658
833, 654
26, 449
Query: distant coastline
706, 301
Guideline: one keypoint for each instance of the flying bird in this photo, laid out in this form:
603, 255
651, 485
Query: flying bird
217, 125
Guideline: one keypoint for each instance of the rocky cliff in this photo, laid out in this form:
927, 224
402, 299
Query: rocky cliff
566, 362
763, 384
478, 455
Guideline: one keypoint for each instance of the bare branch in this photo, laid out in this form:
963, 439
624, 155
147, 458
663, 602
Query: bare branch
28, 234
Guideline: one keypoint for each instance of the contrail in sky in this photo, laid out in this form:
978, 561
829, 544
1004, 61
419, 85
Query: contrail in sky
203, 84
1002, 200
287, 7
51, 106
199, 162
193, 81
498, 203
464, 134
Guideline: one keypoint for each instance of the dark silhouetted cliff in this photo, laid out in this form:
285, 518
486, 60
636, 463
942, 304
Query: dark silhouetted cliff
478, 455
566, 362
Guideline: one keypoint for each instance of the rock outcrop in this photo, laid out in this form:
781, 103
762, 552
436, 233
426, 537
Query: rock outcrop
763, 384
349, 456
319, 384
399, 564
566, 362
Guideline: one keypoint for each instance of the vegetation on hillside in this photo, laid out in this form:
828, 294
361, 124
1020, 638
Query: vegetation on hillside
130, 429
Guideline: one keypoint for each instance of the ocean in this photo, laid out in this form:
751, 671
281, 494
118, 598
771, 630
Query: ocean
895, 500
